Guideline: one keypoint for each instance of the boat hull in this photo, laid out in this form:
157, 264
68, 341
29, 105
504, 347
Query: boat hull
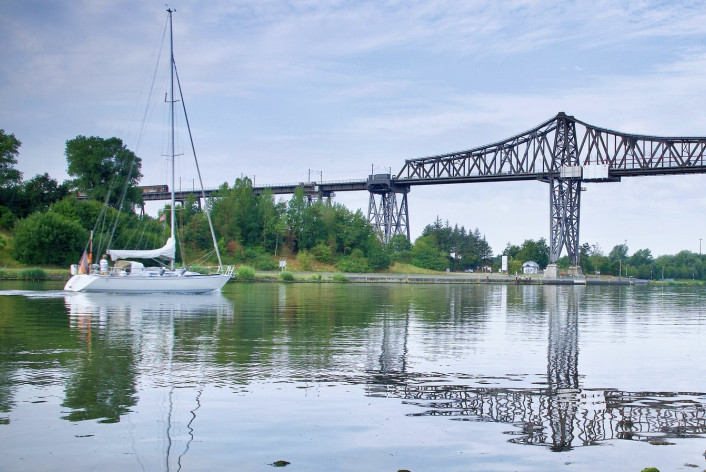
188, 283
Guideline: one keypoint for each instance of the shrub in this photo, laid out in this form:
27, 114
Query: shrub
321, 253
7, 218
245, 273
286, 276
339, 278
378, 257
304, 260
48, 238
352, 264
32, 274
316, 277
264, 262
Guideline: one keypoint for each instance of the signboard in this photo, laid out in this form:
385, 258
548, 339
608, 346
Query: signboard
504, 264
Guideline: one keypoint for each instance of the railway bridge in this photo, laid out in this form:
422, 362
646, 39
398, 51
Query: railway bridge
562, 152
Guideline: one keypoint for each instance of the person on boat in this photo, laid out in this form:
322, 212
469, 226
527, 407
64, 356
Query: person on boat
104, 264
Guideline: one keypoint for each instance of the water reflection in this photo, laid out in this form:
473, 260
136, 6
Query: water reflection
500, 354
561, 414
102, 383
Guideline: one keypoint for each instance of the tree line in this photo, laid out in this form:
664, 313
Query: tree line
50, 223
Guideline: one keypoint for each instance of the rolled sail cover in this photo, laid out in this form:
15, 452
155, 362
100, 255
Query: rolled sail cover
167, 251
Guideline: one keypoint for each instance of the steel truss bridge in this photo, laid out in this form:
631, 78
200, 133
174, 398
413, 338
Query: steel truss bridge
562, 151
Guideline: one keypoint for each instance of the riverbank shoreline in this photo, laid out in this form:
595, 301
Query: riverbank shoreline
456, 278
389, 277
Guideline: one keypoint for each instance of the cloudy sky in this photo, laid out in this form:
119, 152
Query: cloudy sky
280, 90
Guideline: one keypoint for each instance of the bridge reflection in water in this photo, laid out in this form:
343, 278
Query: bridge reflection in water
560, 415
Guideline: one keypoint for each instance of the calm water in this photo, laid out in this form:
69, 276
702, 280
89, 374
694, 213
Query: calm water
354, 377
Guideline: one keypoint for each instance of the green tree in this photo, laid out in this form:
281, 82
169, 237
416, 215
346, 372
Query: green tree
48, 238
39, 193
427, 254
296, 218
9, 150
196, 233
641, 257
400, 248
104, 170
619, 252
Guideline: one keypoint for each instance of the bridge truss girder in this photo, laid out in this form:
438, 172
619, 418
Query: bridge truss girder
563, 152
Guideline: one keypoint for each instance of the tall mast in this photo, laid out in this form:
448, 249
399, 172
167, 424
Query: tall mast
171, 114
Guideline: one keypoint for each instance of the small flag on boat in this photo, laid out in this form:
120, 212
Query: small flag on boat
83, 264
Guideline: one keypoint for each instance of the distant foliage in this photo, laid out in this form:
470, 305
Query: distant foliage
459, 248
286, 276
531, 250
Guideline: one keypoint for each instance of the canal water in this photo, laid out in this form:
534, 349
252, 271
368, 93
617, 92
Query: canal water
354, 377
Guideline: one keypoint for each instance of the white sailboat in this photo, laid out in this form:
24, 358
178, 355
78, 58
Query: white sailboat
133, 277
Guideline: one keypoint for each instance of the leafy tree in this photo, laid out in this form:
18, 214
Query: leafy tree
464, 249
197, 233
9, 150
48, 238
296, 219
619, 252
355, 262
7, 218
400, 248
321, 252
273, 223
377, 254
641, 257
103, 169
38, 193
427, 254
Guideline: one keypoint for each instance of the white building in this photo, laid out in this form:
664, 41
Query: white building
530, 267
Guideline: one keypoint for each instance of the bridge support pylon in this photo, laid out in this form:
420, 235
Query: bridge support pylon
565, 199
389, 216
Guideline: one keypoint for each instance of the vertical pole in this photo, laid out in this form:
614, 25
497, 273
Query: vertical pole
171, 108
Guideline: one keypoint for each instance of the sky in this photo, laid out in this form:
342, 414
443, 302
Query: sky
283, 90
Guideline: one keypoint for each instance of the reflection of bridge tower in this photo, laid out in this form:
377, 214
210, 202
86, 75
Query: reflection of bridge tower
387, 359
562, 365
387, 215
561, 415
